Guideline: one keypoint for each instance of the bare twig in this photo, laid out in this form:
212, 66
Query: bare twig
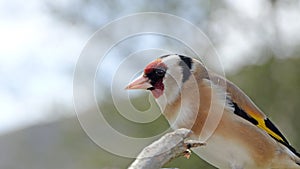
168, 147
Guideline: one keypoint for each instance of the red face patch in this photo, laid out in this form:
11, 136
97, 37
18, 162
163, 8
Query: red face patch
155, 71
154, 65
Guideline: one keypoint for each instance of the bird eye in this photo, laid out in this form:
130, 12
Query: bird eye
160, 72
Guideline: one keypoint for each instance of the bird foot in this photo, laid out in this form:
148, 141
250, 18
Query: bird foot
190, 144
187, 153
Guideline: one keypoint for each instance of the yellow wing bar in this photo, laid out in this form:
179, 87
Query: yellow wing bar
263, 123
271, 129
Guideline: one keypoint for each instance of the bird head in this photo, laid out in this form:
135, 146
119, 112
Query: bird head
165, 75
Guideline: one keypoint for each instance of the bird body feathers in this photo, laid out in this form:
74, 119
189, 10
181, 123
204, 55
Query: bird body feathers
237, 133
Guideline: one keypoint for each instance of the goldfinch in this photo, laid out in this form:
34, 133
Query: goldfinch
190, 96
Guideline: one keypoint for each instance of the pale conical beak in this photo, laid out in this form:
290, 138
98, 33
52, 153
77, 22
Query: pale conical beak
141, 82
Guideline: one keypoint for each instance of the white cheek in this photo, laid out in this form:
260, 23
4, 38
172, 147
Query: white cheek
162, 102
172, 85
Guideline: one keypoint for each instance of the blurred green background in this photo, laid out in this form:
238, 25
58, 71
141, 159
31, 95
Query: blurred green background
258, 43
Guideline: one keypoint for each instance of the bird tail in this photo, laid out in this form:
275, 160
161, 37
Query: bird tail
288, 158
297, 159
296, 155
293, 153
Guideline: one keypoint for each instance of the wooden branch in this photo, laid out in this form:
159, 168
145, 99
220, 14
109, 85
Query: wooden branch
168, 147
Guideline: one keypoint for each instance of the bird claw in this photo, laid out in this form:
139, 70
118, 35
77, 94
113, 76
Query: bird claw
187, 153
190, 144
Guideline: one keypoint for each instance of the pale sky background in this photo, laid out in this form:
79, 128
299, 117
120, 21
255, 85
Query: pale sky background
38, 54
37, 58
